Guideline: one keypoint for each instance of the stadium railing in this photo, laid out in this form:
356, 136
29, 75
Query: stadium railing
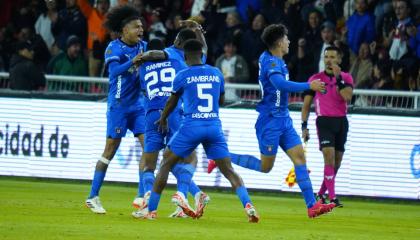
238, 94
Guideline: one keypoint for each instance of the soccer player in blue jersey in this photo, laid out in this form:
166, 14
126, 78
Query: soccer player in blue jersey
274, 126
201, 88
157, 78
125, 105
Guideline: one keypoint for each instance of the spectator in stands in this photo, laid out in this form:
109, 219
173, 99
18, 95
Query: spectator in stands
41, 51
414, 40
96, 32
381, 75
24, 73
252, 37
361, 27
307, 44
312, 60
397, 40
386, 24
232, 65
197, 7
70, 21
157, 28
43, 23
232, 30
71, 61
362, 67
173, 26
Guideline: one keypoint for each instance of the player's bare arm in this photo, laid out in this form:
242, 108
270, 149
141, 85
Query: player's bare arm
169, 108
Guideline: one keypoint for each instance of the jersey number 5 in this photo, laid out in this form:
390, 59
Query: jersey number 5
205, 96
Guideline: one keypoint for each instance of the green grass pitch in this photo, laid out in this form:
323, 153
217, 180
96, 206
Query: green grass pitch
48, 209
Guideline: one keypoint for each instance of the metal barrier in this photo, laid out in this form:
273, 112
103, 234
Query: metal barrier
238, 94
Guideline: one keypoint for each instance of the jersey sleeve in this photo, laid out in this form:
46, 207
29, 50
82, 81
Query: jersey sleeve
178, 84
112, 53
348, 79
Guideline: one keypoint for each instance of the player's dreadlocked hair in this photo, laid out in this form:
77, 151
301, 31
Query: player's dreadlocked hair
118, 17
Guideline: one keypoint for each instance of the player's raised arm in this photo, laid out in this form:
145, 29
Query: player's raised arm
198, 30
279, 81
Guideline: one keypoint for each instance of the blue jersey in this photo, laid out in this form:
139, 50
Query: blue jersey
200, 87
157, 78
123, 85
273, 100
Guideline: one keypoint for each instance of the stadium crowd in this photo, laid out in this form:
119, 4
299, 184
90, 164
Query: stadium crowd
380, 38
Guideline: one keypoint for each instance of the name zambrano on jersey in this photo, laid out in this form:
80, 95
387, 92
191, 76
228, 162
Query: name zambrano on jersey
203, 78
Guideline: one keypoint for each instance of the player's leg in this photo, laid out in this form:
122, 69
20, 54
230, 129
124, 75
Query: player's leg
268, 132
116, 129
153, 143
216, 148
290, 142
136, 122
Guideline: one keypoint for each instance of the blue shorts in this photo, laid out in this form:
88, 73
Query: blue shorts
119, 120
155, 140
275, 131
209, 134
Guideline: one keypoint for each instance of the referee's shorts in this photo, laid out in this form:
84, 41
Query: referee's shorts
332, 132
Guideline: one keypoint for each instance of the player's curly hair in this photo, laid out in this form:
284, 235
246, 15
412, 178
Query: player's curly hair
272, 33
118, 17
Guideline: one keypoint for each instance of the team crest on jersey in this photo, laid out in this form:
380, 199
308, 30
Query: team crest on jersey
109, 51
118, 130
273, 64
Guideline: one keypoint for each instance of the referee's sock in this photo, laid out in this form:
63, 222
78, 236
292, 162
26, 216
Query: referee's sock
329, 179
99, 176
246, 161
305, 185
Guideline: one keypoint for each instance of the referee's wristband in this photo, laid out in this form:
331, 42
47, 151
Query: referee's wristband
340, 83
304, 125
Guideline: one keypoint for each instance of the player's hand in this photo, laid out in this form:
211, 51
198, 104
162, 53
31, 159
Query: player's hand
317, 85
137, 60
305, 134
336, 69
162, 125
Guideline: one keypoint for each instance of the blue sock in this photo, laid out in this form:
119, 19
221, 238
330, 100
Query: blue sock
153, 201
184, 174
243, 195
140, 191
305, 185
98, 179
193, 188
246, 161
148, 180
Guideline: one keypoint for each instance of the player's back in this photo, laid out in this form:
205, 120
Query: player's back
273, 100
124, 89
201, 87
156, 80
